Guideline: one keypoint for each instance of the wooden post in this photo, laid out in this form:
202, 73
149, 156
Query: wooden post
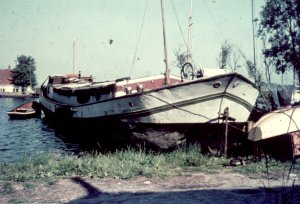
226, 114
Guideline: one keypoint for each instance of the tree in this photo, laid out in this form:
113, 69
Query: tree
224, 56
234, 61
268, 63
181, 58
252, 70
280, 24
24, 72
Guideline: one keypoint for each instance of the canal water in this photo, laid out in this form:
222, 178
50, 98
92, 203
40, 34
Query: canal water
24, 138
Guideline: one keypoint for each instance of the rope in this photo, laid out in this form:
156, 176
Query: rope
177, 21
139, 38
178, 107
291, 119
197, 114
176, 17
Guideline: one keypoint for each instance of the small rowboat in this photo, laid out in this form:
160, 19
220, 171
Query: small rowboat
276, 123
23, 111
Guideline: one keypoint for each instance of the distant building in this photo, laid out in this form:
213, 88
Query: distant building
7, 88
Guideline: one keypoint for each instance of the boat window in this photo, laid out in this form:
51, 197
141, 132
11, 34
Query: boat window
217, 84
50, 80
83, 98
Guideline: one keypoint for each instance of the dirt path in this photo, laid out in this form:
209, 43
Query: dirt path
194, 188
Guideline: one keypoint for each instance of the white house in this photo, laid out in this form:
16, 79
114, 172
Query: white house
8, 89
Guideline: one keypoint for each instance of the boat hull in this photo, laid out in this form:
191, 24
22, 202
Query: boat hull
276, 123
22, 115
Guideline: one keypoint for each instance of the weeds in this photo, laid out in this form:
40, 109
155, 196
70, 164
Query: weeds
267, 167
29, 185
7, 188
122, 164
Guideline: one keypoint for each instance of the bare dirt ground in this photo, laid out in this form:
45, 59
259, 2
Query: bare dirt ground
193, 188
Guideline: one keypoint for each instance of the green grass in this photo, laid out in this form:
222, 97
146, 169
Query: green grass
122, 164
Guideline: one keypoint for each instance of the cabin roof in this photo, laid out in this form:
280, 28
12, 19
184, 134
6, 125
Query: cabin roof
142, 79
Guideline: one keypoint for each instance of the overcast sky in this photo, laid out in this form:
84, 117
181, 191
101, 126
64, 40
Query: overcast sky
106, 33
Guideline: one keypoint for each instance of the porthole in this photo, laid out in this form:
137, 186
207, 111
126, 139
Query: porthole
217, 85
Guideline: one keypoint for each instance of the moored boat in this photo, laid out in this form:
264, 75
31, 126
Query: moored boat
147, 101
24, 111
155, 102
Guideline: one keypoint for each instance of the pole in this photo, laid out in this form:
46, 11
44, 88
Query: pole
73, 57
189, 51
253, 38
226, 114
167, 71
30, 81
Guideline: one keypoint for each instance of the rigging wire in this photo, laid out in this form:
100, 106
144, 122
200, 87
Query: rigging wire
177, 21
196, 114
182, 35
177, 107
139, 38
220, 33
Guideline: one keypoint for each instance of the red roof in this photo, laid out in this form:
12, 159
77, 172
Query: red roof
5, 76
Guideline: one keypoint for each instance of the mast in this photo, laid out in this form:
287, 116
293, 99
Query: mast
30, 80
73, 56
167, 71
253, 38
189, 51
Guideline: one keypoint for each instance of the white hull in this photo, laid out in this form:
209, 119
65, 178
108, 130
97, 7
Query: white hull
197, 101
276, 123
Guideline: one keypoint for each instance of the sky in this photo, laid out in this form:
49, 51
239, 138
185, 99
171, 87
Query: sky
120, 38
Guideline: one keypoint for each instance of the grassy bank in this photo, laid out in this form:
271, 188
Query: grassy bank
126, 164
